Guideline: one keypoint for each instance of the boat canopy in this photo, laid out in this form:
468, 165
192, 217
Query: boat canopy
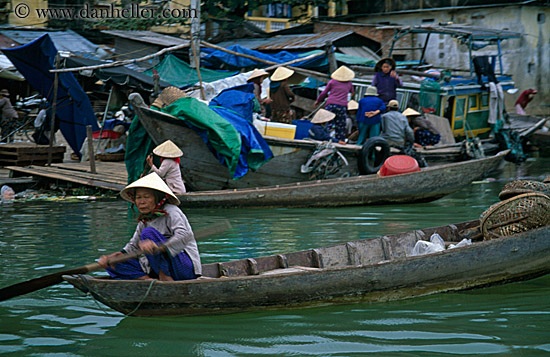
472, 36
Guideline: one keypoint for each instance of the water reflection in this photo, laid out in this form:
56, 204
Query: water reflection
38, 238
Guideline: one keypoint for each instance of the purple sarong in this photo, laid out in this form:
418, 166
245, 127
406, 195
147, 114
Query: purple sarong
179, 267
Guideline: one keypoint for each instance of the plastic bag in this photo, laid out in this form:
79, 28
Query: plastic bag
462, 243
8, 194
436, 244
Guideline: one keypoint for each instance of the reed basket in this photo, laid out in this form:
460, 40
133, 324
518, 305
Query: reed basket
515, 215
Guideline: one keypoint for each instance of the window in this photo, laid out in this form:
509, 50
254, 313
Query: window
541, 18
459, 107
484, 100
472, 103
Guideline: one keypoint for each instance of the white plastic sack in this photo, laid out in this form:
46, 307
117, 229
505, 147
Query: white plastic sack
436, 244
462, 243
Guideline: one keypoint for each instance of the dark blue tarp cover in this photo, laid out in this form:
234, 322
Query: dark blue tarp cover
34, 61
221, 59
235, 105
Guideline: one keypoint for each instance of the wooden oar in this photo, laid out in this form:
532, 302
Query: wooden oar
48, 280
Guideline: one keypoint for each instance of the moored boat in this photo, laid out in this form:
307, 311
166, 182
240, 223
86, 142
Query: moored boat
426, 185
541, 139
379, 269
202, 171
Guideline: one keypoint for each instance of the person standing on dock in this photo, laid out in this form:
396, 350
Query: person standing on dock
336, 92
8, 123
386, 79
161, 223
368, 115
282, 96
169, 169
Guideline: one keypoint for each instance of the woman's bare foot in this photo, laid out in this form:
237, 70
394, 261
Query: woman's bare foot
164, 277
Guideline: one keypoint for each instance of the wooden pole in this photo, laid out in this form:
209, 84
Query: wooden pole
295, 61
104, 117
332, 65
54, 107
91, 154
198, 68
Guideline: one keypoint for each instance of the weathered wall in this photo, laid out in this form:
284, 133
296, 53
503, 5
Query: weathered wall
527, 59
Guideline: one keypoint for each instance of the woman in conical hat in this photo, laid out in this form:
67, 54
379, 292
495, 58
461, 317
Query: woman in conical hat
337, 91
281, 96
161, 223
386, 79
256, 78
169, 169
319, 130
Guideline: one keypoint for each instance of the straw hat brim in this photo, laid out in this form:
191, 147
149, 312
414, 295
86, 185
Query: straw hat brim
322, 116
353, 105
281, 73
410, 111
343, 74
168, 150
258, 73
153, 182
378, 66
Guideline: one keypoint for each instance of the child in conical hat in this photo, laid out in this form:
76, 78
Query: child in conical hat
169, 169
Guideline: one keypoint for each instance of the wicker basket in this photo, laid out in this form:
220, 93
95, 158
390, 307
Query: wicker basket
519, 187
515, 215
168, 96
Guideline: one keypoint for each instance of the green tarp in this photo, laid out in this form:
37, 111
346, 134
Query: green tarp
180, 74
223, 137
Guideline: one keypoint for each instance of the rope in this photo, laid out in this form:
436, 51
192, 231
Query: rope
143, 298
89, 294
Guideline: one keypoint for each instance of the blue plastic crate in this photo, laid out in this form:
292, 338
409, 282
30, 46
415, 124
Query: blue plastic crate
302, 128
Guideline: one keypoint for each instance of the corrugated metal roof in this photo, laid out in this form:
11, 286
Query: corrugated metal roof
149, 37
63, 40
296, 42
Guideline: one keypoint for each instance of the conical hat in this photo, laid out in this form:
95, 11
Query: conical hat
168, 96
281, 73
378, 66
152, 181
322, 116
257, 73
343, 74
410, 111
168, 149
353, 105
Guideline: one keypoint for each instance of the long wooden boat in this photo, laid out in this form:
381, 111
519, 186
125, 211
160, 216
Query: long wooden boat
202, 171
370, 270
426, 185
541, 139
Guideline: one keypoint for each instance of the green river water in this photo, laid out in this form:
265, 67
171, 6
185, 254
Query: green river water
39, 238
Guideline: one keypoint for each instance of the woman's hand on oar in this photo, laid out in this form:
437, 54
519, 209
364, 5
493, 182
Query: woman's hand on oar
48, 280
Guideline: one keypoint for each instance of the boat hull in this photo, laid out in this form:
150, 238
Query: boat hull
202, 171
427, 185
370, 270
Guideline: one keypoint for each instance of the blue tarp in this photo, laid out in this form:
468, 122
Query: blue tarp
220, 59
235, 105
34, 61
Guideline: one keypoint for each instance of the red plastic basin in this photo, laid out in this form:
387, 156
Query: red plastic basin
399, 164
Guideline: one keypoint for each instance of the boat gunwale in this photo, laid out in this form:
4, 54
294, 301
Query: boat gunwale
340, 180
311, 270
